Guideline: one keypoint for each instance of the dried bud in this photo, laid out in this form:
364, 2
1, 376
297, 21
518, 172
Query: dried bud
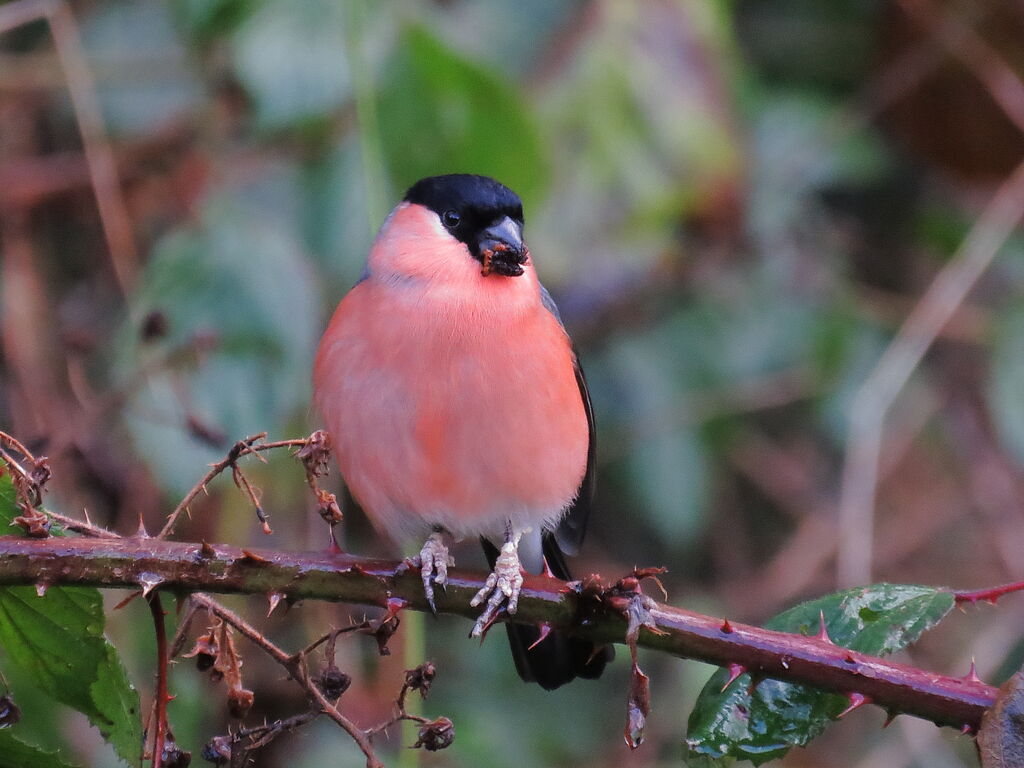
419, 679
175, 757
315, 454
154, 326
35, 524
239, 702
217, 750
40, 473
205, 652
435, 735
332, 682
383, 633
592, 586
328, 507
9, 711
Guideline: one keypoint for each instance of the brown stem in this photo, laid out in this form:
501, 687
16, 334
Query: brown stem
191, 567
295, 665
161, 696
249, 445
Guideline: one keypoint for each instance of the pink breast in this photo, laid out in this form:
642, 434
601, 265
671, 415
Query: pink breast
457, 416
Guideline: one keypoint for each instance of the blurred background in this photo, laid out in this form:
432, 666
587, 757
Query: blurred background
736, 204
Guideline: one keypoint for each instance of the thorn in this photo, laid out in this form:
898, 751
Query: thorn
127, 600
141, 531
274, 598
252, 557
205, 550
149, 582
822, 635
890, 715
726, 627
85, 513
490, 623
856, 700
41, 588
735, 670
393, 606
545, 630
547, 571
598, 649
972, 674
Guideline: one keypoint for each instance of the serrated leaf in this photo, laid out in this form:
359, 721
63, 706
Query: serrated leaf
15, 753
762, 726
57, 641
440, 113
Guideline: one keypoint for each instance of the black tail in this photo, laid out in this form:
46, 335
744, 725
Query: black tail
558, 659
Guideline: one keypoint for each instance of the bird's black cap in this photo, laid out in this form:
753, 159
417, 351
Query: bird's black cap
476, 197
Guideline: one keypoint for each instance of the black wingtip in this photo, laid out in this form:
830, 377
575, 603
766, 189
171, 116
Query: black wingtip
558, 659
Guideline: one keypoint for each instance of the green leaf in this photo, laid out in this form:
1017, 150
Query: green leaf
15, 753
762, 726
57, 641
440, 113
239, 280
291, 57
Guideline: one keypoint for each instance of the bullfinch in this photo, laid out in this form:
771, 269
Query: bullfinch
457, 407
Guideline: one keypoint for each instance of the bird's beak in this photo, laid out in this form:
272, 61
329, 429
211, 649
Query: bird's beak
501, 248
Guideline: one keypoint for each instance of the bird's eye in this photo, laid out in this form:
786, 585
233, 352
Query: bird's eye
451, 219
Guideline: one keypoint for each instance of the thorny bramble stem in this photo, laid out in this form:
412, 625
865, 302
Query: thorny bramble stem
192, 567
990, 595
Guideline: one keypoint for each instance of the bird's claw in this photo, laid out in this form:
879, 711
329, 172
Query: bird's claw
433, 561
501, 589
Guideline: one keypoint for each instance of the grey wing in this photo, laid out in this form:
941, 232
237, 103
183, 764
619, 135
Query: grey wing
572, 528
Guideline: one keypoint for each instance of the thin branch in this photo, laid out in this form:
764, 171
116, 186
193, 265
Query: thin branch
187, 567
250, 445
990, 595
874, 399
295, 665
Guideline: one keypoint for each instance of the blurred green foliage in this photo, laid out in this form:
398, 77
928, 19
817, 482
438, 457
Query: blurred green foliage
732, 219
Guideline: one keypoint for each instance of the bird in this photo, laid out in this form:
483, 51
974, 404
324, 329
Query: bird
457, 407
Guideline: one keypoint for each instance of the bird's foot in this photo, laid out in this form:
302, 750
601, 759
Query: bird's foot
433, 561
502, 587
